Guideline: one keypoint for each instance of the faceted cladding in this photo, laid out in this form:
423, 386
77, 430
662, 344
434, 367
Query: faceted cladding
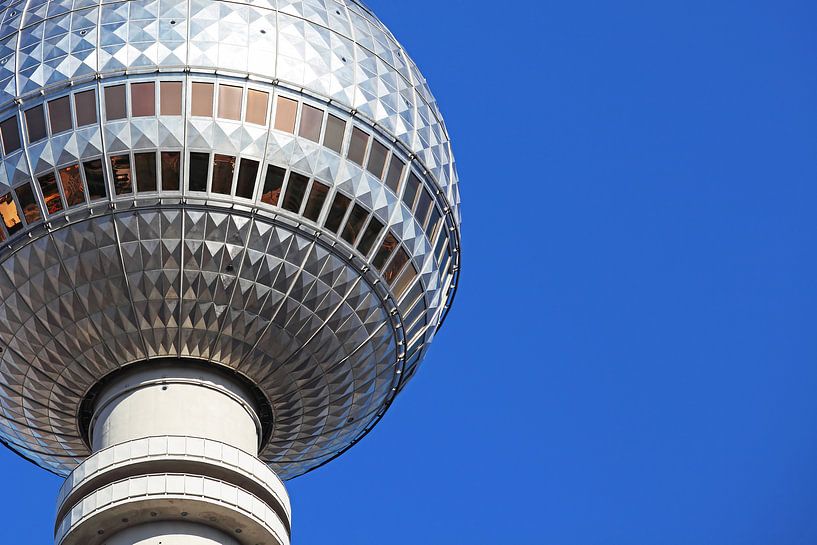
263, 185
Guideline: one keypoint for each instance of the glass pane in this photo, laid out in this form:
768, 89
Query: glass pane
355, 224
95, 177
410, 193
229, 102
257, 102
143, 99
171, 170
431, 228
115, 102
11, 134
122, 180
247, 172
223, 169
337, 212
285, 115
314, 204
396, 265
384, 252
25, 195
296, 188
396, 167
272, 185
145, 164
358, 145
423, 205
404, 281
311, 122
373, 231
51, 195
335, 129
377, 159
202, 99
199, 169
35, 123
170, 99
59, 114
85, 106
71, 183
10, 214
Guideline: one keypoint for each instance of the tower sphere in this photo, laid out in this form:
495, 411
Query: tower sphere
263, 186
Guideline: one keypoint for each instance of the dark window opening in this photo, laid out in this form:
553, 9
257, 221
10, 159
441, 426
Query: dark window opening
199, 169
296, 189
423, 206
410, 193
336, 213
223, 170
373, 231
25, 195
384, 252
51, 195
397, 263
171, 170
95, 177
11, 135
115, 102
85, 106
145, 164
396, 167
122, 179
272, 185
355, 224
314, 204
71, 183
247, 172
59, 115
35, 123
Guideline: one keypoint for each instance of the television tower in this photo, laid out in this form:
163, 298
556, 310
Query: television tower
229, 231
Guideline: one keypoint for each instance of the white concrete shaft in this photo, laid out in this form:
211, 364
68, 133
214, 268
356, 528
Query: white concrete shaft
175, 399
171, 533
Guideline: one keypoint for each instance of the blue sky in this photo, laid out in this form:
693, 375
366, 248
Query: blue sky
632, 357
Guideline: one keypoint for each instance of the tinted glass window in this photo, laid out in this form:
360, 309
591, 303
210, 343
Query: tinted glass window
396, 265
337, 212
199, 169
51, 195
423, 206
385, 251
31, 212
335, 129
115, 102
223, 169
405, 280
314, 204
35, 123
122, 180
11, 135
229, 102
410, 193
170, 98
171, 170
257, 102
377, 159
143, 99
202, 104
311, 121
394, 174
272, 185
10, 214
370, 236
85, 107
95, 177
247, 172
59, 115
296, 188
145, 164
71, 183
355, 224
285, 115
358, 145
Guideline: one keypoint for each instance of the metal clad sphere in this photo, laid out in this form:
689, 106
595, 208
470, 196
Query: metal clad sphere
265, 185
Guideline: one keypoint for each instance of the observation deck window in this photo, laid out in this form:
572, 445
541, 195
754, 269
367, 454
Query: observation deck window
10, 214
285, 114
51, 195
410, 193
311, 123
59, 114
229, 102
257, 103
35, 123
115, 102
11, 135
95, 178
385, 251
71, 184
395, 173
315, 202
358, 145
85, 107
296, 189
171, 170
369, 237
122, 178
145, 164
199, 170
223, 170
143, 99
377, 159
335, 131
202, 102
247, 173
404, 281
25, 196
273, 183
395, 266
170, 98
337, 212
354, 224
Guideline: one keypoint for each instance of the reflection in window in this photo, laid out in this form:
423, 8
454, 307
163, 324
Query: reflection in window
257, 102
202, 103
35, 123
145, 164
373, 231
11, 135
2, 235
395, 266
59, 114
71, 183
384, 252
311, 121
358, 145
337, 212
314, 204
396, 167
199, 169
247, 172
285, 115
115, 102
229, 102
51, 195
296, 188
122, 181
25, 195
272, 185
410, 193
10, 214
405, 280
85, 107
95, 178
377, 159
223, 169
171, 170
170, 98
335, 130
355, 224
143, 100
